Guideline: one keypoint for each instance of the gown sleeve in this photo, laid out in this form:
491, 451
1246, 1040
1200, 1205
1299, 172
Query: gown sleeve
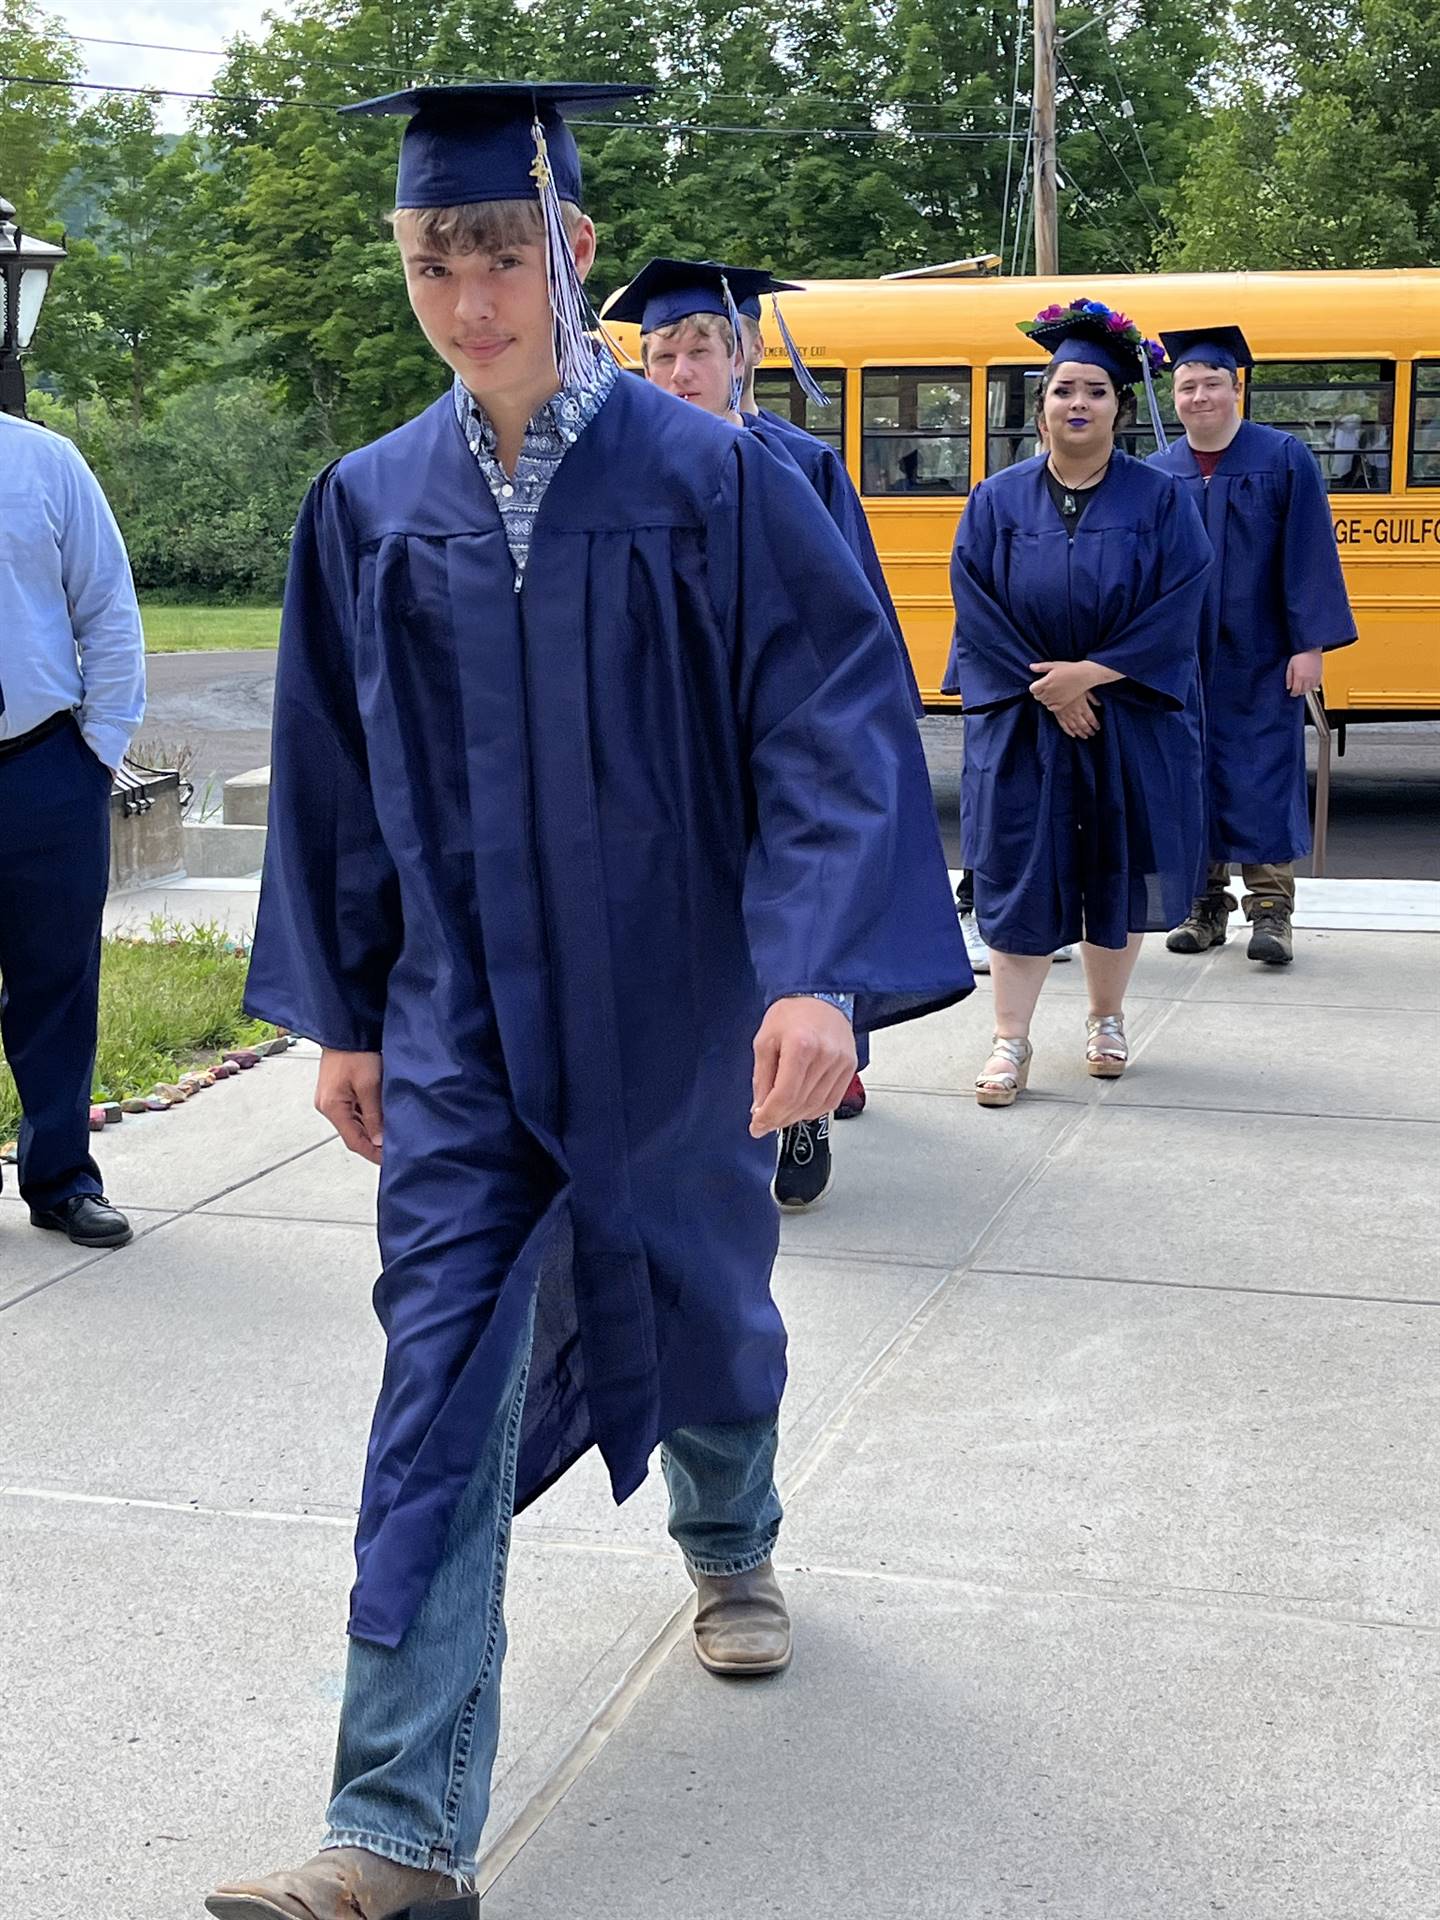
843, 504
845, 886
989, 655
1317, 605
1157, 650
328, 928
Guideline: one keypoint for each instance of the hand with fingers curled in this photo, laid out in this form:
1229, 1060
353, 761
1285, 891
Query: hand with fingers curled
347, 1092
1081, 719
804, 1061
1304, 672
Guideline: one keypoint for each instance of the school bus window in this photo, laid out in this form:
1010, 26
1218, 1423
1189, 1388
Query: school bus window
916, 430
1343, 410
777, 389
1010, 417
1425, 425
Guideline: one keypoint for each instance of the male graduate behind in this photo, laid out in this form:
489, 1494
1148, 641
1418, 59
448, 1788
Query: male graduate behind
827, 473
593, 774
692, 316
1276, 605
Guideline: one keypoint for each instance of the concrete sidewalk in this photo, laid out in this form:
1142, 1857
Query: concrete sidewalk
1111, 1468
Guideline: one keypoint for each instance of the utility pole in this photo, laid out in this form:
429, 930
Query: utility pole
1047, 227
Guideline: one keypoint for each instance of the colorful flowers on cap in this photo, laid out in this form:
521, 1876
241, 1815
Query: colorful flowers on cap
1119, 326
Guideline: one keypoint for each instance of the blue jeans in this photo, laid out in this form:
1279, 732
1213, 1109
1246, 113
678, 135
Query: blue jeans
420, 1722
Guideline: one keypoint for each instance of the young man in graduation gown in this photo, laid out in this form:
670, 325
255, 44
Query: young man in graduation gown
596, 811
1276, 605
691, 316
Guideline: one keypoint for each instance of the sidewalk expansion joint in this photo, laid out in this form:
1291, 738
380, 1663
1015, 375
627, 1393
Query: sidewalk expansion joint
1201, 1286
192, 1509
1287, 1607
173, 1215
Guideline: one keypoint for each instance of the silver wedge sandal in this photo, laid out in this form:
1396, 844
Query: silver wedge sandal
1107, 1051
1003, 1088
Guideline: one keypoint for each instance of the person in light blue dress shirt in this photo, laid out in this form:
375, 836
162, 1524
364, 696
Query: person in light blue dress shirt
72, 692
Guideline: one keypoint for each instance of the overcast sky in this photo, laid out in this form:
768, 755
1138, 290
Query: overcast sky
180, 23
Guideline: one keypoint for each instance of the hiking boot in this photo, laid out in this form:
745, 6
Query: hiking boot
1270, 938
802, 1176
1206, 926
853, 1103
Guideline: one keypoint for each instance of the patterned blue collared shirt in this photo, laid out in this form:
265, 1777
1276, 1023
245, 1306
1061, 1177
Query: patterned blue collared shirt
548, 438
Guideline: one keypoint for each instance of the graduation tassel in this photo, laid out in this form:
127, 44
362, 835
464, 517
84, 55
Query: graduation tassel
1157, 425
809, 385
737, 377
575, 358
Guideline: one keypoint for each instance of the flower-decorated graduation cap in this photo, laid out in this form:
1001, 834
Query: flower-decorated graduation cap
505, 140
665, 291
1223, 347
1098, 336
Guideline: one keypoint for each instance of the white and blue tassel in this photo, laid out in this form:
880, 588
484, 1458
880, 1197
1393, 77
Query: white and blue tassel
808, 384
575, 355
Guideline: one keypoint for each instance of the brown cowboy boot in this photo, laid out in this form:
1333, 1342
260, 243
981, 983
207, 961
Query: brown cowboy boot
344, 1883
742, 1627
1205, 926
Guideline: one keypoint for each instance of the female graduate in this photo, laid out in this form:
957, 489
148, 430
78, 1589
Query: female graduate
1078, 589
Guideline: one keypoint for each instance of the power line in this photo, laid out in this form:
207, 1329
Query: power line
1020, 16
1094, 222
1127, 111
640, 126
461, 79
1023, 199
1105, 142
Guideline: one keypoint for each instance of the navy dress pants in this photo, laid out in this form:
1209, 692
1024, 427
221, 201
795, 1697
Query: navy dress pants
54, 870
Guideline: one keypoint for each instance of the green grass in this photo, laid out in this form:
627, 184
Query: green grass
165, 1003
199, 629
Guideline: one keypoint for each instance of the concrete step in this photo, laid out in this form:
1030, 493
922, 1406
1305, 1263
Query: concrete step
223, 852
246, 798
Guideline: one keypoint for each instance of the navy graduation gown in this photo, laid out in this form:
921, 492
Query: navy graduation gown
827, 473
552, 853
1277, 589
1071, 839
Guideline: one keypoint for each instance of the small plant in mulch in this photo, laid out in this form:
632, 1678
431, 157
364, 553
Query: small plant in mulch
172, 1024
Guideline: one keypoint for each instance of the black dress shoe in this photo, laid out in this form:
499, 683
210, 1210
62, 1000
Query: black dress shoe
86, 1218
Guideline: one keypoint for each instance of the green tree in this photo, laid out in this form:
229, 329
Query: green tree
35, 120
1327, 153
128, 321
300, 193
206, 491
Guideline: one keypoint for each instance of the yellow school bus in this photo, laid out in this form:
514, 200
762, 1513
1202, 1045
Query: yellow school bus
933, 388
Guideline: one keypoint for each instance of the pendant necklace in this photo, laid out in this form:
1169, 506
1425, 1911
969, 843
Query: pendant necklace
1068, 504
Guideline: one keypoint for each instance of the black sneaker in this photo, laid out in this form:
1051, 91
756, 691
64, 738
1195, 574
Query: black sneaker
1206, 926
88, 1219
802, 1177
1270, 936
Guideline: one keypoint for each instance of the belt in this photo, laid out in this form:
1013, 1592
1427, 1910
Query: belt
24, 741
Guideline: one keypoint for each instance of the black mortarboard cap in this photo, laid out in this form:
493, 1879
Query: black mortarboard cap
1093, 345
1224, 347
476, 141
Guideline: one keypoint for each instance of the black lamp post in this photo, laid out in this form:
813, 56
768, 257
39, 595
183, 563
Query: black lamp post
26, 265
